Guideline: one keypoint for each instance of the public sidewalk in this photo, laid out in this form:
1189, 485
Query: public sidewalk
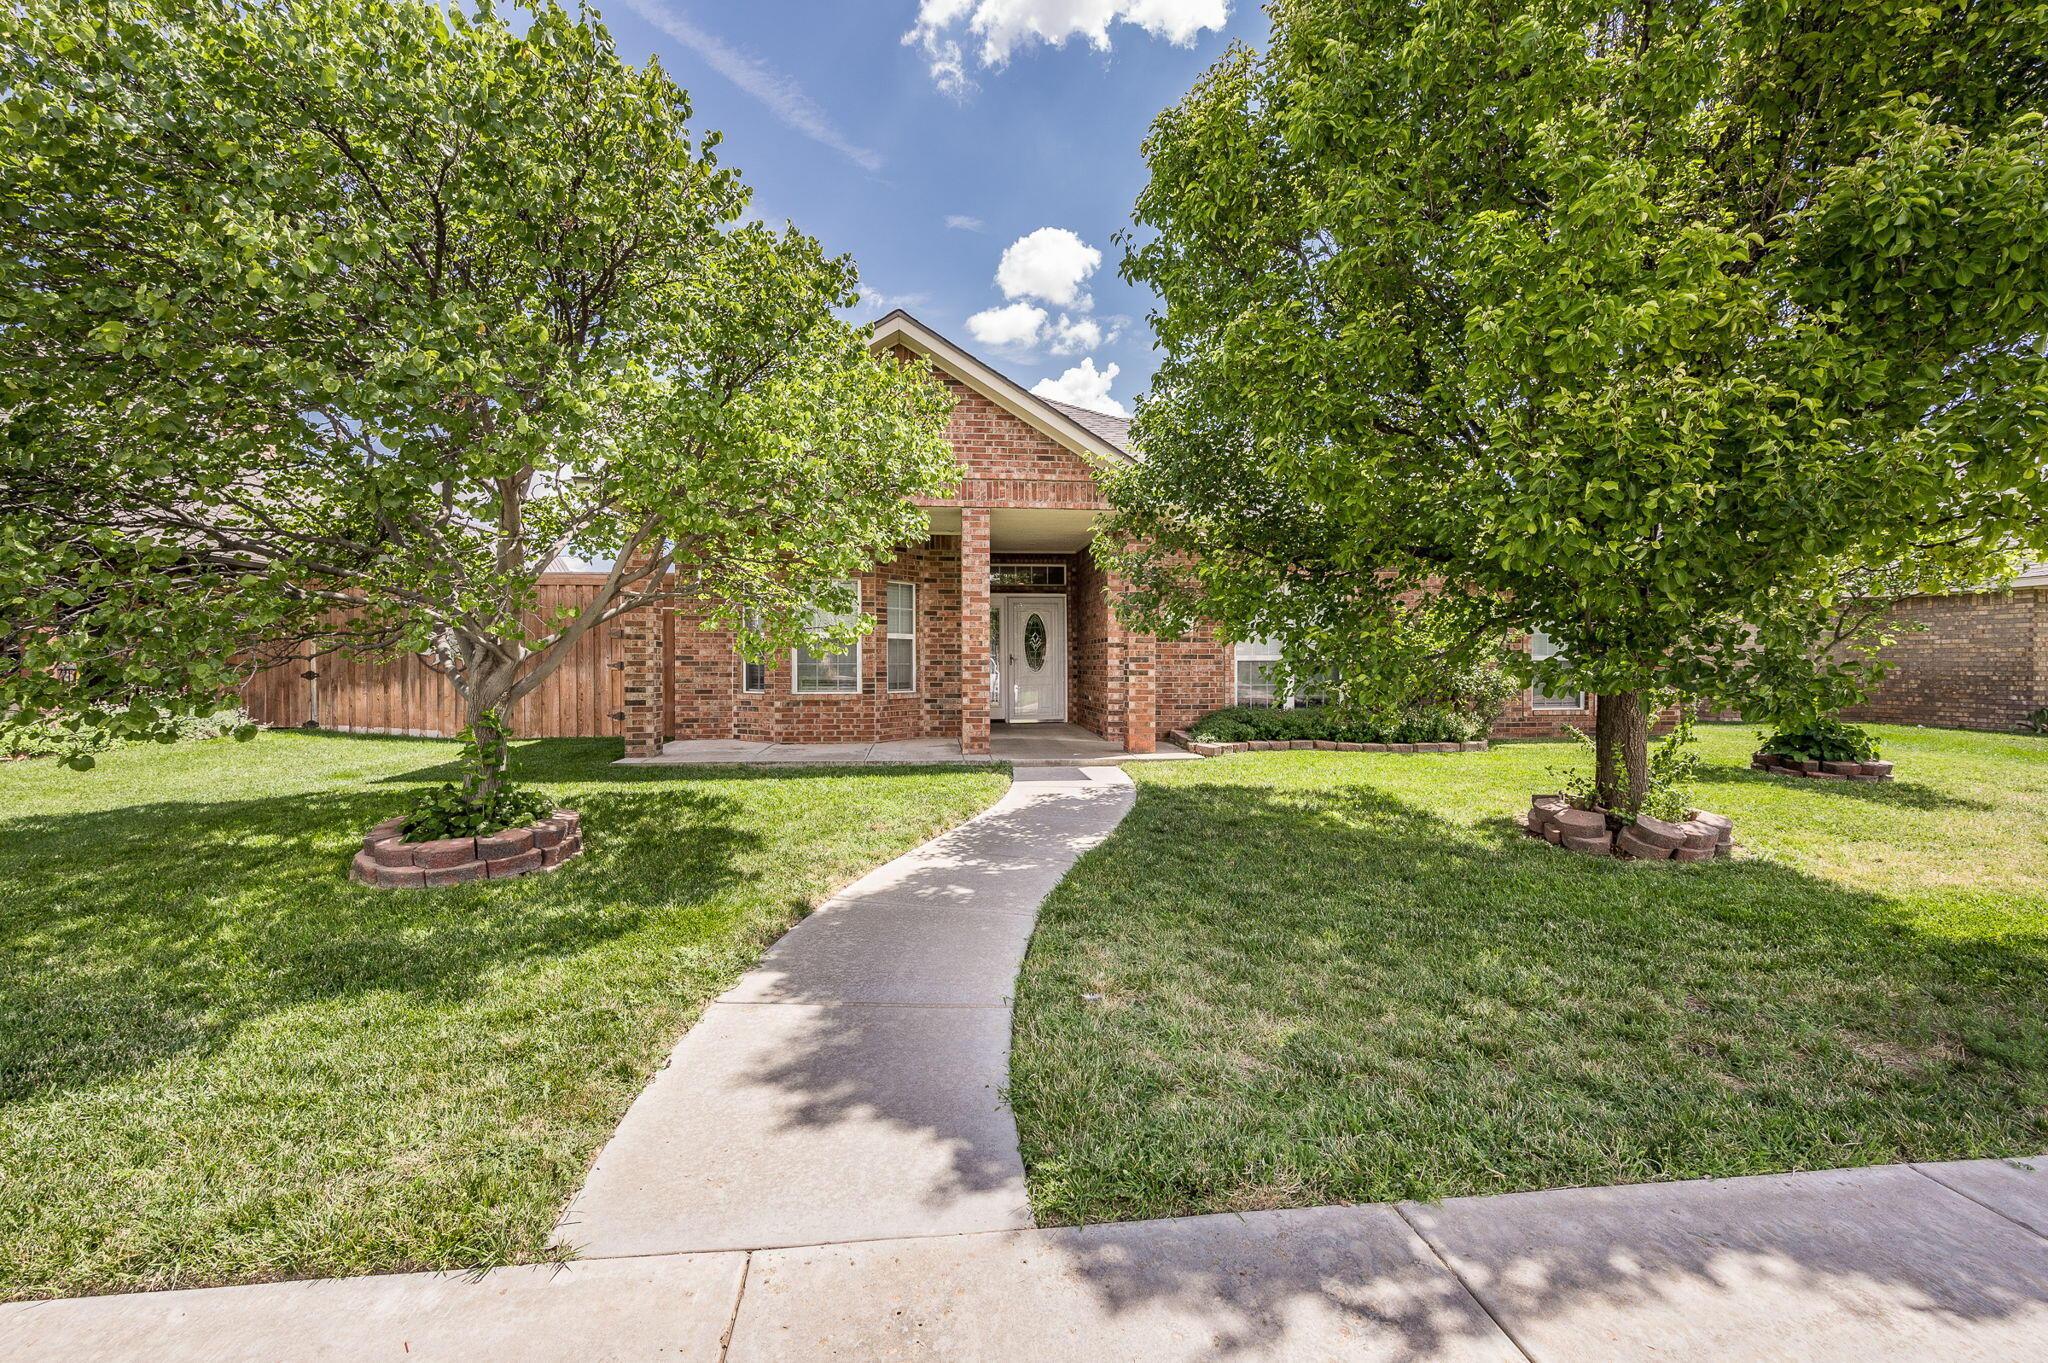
1924, 1262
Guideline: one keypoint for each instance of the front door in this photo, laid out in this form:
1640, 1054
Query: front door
1032, 659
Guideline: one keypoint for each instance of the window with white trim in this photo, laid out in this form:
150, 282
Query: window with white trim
1255, 659
900, 625
1542, 646
753, 671
828, 674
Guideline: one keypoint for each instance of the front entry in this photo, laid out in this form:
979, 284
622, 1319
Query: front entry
1028, 659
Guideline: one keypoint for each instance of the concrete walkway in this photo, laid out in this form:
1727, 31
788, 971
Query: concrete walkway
849, 1087
1879, 1265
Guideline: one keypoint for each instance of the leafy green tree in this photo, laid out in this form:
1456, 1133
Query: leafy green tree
1665, 327
341, 320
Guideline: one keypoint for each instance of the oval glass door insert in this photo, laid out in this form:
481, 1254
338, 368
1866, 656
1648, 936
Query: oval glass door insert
1034, 641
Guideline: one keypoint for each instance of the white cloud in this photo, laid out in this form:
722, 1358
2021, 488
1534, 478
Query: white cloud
1016, 327
782, 95
1003, 26
961, 222
1072, 335
1050, 265
1083, 386
1026, 326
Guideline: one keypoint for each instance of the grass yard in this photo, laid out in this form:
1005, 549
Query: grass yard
1333, 977
220, 1061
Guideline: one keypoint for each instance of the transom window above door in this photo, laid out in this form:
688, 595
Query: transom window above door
1028, 575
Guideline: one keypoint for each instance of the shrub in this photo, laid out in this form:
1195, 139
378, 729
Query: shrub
1417, 724
76, 737
448, 811
1823, 740
2037, 723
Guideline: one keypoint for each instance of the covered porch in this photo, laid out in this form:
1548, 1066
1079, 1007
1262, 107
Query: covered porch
1047, 667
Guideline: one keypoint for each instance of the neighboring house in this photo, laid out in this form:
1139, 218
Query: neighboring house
1000, 617
1979, 660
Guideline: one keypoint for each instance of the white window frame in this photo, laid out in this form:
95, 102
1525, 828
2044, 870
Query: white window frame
1541, 647
890, 636
747, 666
1255, 651
819, 616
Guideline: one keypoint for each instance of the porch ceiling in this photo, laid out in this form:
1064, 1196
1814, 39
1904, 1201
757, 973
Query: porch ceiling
1040, 531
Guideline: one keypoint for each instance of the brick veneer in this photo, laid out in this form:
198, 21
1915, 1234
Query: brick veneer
1979, 661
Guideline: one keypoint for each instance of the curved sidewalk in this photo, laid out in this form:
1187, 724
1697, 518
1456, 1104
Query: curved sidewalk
849, 1087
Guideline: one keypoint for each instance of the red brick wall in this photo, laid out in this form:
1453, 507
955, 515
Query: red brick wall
1980, 662
1196, 676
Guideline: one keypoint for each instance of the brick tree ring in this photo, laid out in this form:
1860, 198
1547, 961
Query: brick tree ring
1702, 837
391, 864
1778, 765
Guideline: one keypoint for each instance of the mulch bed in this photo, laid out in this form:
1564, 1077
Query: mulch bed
1181, 738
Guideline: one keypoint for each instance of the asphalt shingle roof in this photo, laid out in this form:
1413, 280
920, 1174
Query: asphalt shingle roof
1115, 429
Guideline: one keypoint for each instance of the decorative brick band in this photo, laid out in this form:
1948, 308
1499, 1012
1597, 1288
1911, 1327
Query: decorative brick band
390, 864
1702, 837
1778, 765
1182, 739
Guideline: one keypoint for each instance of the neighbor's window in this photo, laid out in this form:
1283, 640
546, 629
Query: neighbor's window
901, 625
1541, 646
825, 674
1255, 659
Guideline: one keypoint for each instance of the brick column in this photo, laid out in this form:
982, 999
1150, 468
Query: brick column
1141, 693
974, 631
640, 648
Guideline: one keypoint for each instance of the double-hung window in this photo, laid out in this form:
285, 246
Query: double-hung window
753, 671
1255, 659
829, 674
1542, 646
900, 625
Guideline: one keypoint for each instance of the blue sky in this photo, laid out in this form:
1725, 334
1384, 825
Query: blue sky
928, 159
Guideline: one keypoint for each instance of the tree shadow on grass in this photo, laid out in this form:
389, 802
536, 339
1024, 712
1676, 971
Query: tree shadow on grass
133, 935
1896, 794
1391, 1005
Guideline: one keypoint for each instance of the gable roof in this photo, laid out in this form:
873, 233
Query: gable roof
1085, 432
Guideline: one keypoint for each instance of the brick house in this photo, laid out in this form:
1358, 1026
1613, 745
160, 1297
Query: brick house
1000, 617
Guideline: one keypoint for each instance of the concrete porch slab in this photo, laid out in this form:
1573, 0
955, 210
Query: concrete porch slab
1853, 1265
1023, 745
1334, 1283
622, 1311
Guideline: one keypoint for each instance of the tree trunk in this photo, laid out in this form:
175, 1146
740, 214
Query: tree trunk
1621, 751
484, 723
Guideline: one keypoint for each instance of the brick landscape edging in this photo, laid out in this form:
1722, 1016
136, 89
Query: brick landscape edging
1778, 765
1595, 832
1180, 738
391, 864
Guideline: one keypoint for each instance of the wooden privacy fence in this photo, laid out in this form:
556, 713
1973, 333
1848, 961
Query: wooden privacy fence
584, 698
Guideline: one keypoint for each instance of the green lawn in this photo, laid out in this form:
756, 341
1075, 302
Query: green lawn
1298, 978
220, 1061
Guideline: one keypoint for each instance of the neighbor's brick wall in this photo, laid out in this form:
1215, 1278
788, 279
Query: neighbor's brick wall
1979, 662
